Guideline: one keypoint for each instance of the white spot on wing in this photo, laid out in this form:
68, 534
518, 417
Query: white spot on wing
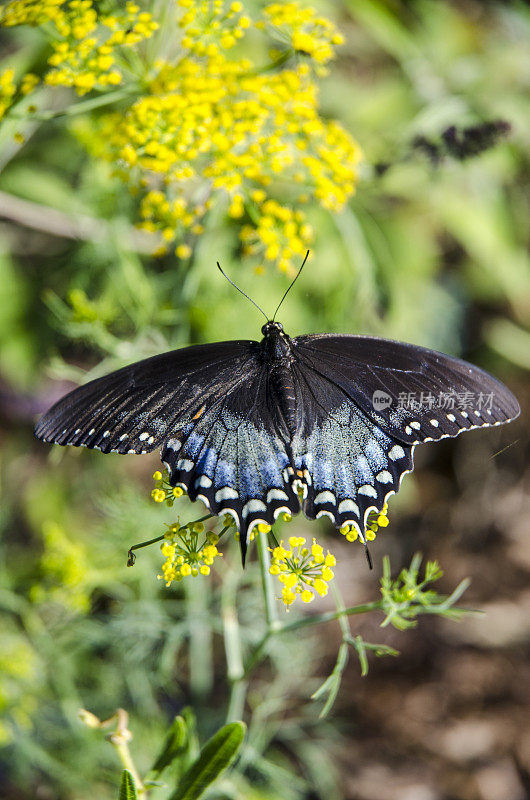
325, 497
396, 452
143, 436
434, 423
204, 481
226, 494
415, 425
368, 490
384, 476
252, 506
451, 417
348, 505
276, 494
185, 464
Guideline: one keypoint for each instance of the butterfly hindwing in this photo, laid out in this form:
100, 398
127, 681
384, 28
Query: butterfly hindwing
234, 456
423, 395
351, 465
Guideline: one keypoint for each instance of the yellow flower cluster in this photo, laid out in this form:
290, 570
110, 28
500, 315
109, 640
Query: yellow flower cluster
211, 130
87, 46
163, 491
306, 33
10, 93
21, 674
208, 129
31, 12
376, 520
207, 25
65, 571
183, 553
7, 90
303, 571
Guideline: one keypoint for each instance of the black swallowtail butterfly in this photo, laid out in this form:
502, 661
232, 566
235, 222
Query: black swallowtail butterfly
254, 429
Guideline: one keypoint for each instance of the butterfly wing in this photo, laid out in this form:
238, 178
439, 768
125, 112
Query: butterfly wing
348, 464
425, 395
234, 457
211, 410
134, 409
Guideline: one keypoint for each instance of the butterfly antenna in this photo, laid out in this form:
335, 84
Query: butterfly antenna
292, 284
368, 556
241, 291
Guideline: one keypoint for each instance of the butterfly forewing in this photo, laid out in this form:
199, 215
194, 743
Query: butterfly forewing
134, 409
414, 394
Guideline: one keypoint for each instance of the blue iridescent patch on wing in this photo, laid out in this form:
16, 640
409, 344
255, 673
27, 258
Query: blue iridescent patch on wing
353, 466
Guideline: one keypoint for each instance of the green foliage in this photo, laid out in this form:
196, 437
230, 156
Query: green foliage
127, 787
216, 755
175, 745
430, 254
405, 598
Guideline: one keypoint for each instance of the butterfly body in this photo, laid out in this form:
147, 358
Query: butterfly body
259, 429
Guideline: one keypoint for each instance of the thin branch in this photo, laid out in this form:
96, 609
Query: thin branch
57, 223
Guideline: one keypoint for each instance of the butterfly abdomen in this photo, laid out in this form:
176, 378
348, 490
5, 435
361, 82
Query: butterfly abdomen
283, 388
278, 357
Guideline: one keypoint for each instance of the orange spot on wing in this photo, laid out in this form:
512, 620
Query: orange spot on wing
199, 413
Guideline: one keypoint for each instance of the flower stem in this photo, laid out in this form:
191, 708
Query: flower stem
197, 600
271, 611
303, 623
106, 99
232, 641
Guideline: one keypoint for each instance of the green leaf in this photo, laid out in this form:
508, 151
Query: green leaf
127, 787
215, 756
174, 745
331, 685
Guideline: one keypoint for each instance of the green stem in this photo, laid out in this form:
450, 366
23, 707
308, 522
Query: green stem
236, 704
304, 622
131, 558
271, 611
201, 673
101, 101
124, 754
232, 641
120, 739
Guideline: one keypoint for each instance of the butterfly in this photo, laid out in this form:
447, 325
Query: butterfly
259, 429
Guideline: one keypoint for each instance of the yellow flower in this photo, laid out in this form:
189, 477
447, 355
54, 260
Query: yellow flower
310, 35
209, 123
376, 520
302, 571
84, 42
187, 552
163, 491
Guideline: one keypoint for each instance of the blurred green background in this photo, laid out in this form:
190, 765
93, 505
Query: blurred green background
435, 255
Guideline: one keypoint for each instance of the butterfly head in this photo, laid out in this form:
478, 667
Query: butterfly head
275, 343
271, 328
